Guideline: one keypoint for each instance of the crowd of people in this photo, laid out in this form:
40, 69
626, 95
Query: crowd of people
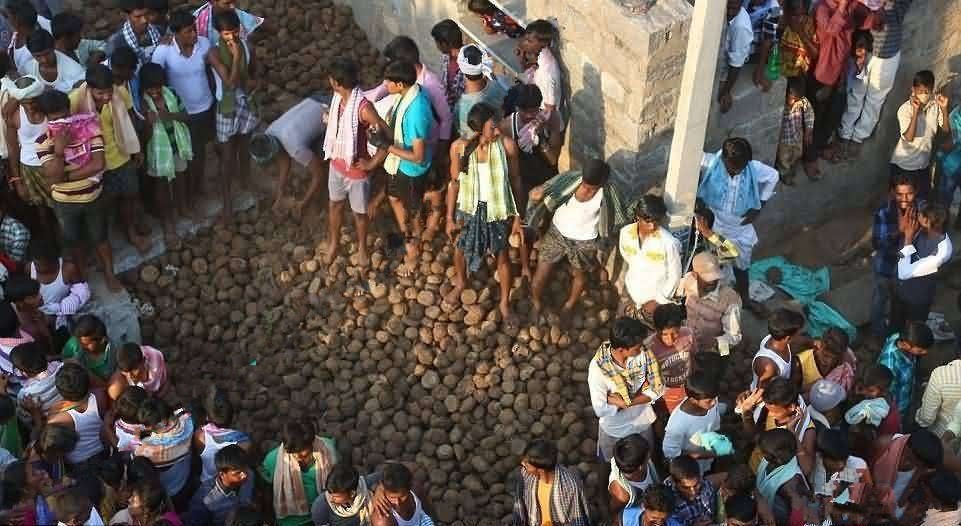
90, 432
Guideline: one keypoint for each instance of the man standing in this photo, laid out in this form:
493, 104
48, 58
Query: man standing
927, 248
479, 86
653, 258
409, 152
941, 397
882, 70
546, 492
135, 33
449, 39
886, 241
919, 120
53, 68
233, 487
713, 307
624, 381
735, 188
587, 211
765, 15
345, 146
737, 49
205, 20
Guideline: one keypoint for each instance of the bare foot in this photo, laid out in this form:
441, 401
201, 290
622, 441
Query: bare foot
297, 211
453, 297
112, 282
363, 260
568, 307
278, 207
507, 315
537, 306
330, 252
429, 234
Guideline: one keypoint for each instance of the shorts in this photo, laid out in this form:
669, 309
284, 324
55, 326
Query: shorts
582, 255
180, 166
410, 190
437, 177
201, 126
82, 222
341, 187
123, 181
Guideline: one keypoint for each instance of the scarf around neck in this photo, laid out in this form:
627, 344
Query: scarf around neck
124, 133
290, 497
398, 112
501, 203
360, 507
769, 481
143, 52
160, 160
340, 139
715, 185
622, 378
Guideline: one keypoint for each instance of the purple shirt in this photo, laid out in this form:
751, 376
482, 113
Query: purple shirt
434, 89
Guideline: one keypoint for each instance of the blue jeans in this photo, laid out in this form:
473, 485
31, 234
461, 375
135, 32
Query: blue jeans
880, 301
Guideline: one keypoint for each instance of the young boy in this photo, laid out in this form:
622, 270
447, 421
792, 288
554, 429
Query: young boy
860, 69
67, 29
169, 149
919, 119
696, 415
774, 358
899, 355
926, 250
797, 133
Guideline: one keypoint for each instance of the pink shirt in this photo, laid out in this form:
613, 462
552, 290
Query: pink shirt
434, 89
156, 370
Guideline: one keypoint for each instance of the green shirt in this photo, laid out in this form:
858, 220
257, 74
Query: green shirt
102, 367
309, 478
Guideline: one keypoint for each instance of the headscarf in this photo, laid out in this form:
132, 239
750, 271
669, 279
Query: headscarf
30, 91
486, 66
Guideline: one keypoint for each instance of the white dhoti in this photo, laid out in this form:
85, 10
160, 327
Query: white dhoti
743, 236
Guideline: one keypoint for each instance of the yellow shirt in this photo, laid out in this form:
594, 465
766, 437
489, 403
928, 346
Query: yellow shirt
544, 502
113, 157
809, 369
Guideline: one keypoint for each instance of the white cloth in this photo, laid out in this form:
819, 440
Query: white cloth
22, 57
486, 66
343, 118
654, 268
824, 485
784, 367
683, 426
578, 220
27, 134
727, 223
924, 266
740, 37
299, 128
940, 401
187, 76
5, 84
59, 298
901, 482
69, 73
546, 76
419, 518
87, 426
865, 110
857, 92
42, 388
916, 155
618, 423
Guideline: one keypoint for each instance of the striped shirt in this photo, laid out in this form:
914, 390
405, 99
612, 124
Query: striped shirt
83, 191
940, 398
887, 41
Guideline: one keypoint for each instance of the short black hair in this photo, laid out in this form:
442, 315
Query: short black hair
129, 357
130, 5
66, 25
401, 71
862, 38
343, 478
780, 391
226, 20
345, 72
631, 452
56, 440
784, 323
160, 6
701, 209
737, 150
936, 214
835, 340
903, 179
701, 385
232, 458
651, 207
124, 57
778, 445
89, 326
627, 332
73, 382
152, 495
402, 48
684, 468
833, 445
659, 498
447, 33
246, 515
127, 405
23, 12
710, 362
796, 87
44, 248
397, 477
53, 101
876, 375
99, 77
14, 484
40, 41
595, 172
30, 358
543, 30
541, 453
740, 480
154, 411
218, 408
524, 97
741, 508
926, 447
668, 315
20, 287
180, 19
923, 78
945, 488
152, 76
9, 322
918, 334
298, 435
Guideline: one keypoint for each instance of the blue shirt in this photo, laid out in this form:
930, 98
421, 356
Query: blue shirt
901, 365
212, 502
633, 516
418, 122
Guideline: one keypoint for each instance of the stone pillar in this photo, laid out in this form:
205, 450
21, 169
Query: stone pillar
693, 110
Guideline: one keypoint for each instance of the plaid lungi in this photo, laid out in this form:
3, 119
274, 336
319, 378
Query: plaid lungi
242, 122
582, 255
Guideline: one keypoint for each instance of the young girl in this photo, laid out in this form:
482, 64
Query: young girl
169, 148
234, 63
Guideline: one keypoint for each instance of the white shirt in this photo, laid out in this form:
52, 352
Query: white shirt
784, 367
616, 422
187, 75
578, 220
941, 397
683, 426
916, 155
547, 77
926, 265
69, 73
299, 128
740, 37
653, 268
